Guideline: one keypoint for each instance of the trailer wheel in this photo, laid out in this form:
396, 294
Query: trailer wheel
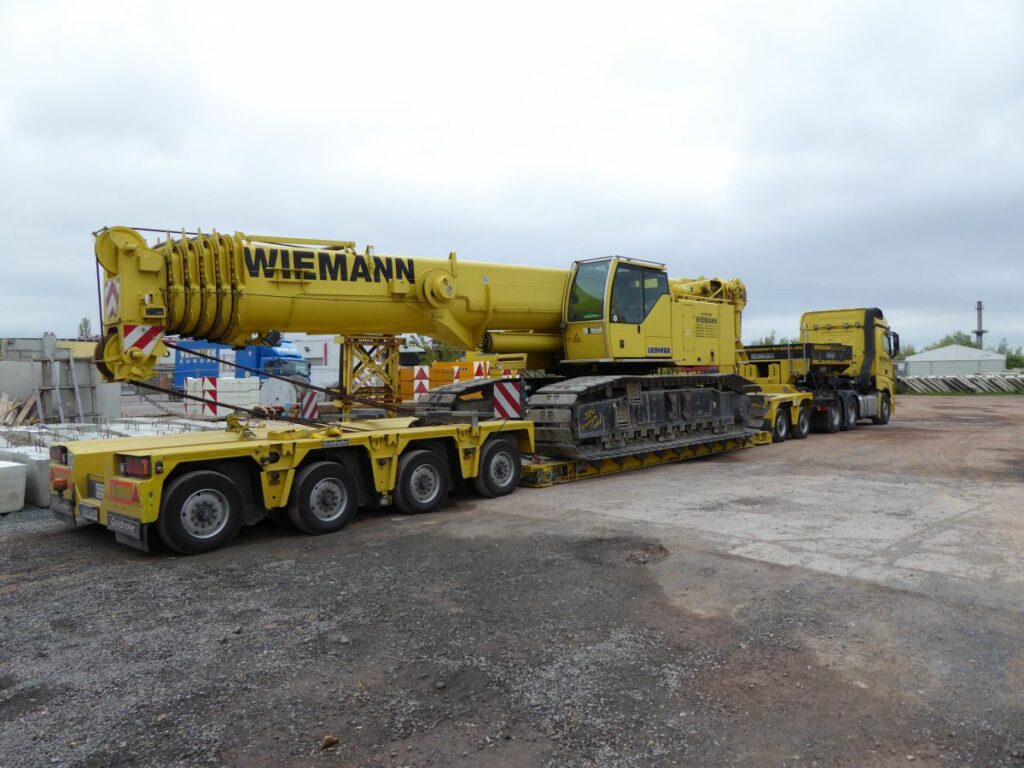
803, 423
850, 414
422, 482
201, 512
324, 498
780, 430
884, 411
500, 468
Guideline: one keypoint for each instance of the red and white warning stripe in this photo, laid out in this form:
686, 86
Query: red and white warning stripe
210, 393
112, 298
420, 381
310, 405
144, 337
507, 404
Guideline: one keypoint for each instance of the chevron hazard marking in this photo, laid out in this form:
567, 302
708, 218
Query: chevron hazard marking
112, 298
210, 393
506, 400
144, 337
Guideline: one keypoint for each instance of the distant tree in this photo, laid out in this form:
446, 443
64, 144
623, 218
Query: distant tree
956, 337
1014, 357
771, 338
84, 328
435, 351
906, 350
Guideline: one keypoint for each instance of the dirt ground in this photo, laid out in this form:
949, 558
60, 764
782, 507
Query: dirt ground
848, 600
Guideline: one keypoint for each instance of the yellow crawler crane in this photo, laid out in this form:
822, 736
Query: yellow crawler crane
627, 368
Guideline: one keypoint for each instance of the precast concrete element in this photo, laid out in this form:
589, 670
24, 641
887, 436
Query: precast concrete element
37, 469
12, 486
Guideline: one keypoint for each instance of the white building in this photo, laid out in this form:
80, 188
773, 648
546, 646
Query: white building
954, 360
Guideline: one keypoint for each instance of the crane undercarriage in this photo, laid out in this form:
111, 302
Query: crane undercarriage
594, 418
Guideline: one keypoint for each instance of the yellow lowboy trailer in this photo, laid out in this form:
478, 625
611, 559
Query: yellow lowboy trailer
197, 490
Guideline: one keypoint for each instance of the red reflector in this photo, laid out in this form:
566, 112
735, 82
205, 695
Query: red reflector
60, 484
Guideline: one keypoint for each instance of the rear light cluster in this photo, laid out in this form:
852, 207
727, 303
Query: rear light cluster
134, 466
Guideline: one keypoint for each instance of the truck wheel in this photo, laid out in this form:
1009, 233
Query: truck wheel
884, 411
834, 417
850, 414
201, 512
780, 431
422, 482
803, 423
324, 498
500, 468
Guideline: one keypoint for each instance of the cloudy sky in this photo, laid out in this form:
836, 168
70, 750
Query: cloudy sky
861, 153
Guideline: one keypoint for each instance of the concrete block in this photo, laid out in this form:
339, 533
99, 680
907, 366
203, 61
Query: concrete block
12, 486
37, 473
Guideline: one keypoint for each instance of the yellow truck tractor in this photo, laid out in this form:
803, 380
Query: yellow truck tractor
839, 373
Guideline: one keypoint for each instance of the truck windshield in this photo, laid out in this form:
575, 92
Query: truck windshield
287, 367
586, 298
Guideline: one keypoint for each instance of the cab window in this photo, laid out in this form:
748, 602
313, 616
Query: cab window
635, 292
586, 299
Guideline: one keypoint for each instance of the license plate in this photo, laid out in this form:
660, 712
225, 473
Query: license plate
124, 525
86, 512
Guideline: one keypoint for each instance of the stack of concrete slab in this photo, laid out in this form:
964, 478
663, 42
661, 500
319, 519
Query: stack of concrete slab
229, 391
977, 383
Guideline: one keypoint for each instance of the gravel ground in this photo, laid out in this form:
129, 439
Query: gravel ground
588, 625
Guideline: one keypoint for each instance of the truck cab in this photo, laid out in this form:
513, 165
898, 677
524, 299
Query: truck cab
874, 344
282, 360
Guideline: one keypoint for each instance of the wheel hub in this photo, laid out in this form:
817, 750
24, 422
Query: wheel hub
425, 483
501, 469
205, 513
328, 499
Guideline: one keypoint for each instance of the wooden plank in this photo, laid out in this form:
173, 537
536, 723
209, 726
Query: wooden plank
12, 414
20, 419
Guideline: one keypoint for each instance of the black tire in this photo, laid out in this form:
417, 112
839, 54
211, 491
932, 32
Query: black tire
884, 411
834, 417
201, 512
802, 428
500, 468
324, 498
780, 429
849, 414
422, 482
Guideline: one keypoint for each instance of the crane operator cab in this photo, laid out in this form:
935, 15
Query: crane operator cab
618, 310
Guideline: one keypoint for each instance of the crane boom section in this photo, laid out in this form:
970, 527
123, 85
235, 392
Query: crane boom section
235, 289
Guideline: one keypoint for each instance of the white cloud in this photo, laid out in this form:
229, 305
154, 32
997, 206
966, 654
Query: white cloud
828, 154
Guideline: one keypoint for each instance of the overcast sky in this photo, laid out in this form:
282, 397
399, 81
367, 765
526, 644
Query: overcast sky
828, 155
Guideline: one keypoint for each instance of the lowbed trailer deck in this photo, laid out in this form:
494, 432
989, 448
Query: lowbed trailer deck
542, 472
215, 482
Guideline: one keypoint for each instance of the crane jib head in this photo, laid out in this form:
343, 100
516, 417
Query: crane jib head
287, 263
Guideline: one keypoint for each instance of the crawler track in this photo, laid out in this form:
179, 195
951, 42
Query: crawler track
603, 417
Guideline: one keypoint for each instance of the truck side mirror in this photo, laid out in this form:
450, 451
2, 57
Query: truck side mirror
895, 344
